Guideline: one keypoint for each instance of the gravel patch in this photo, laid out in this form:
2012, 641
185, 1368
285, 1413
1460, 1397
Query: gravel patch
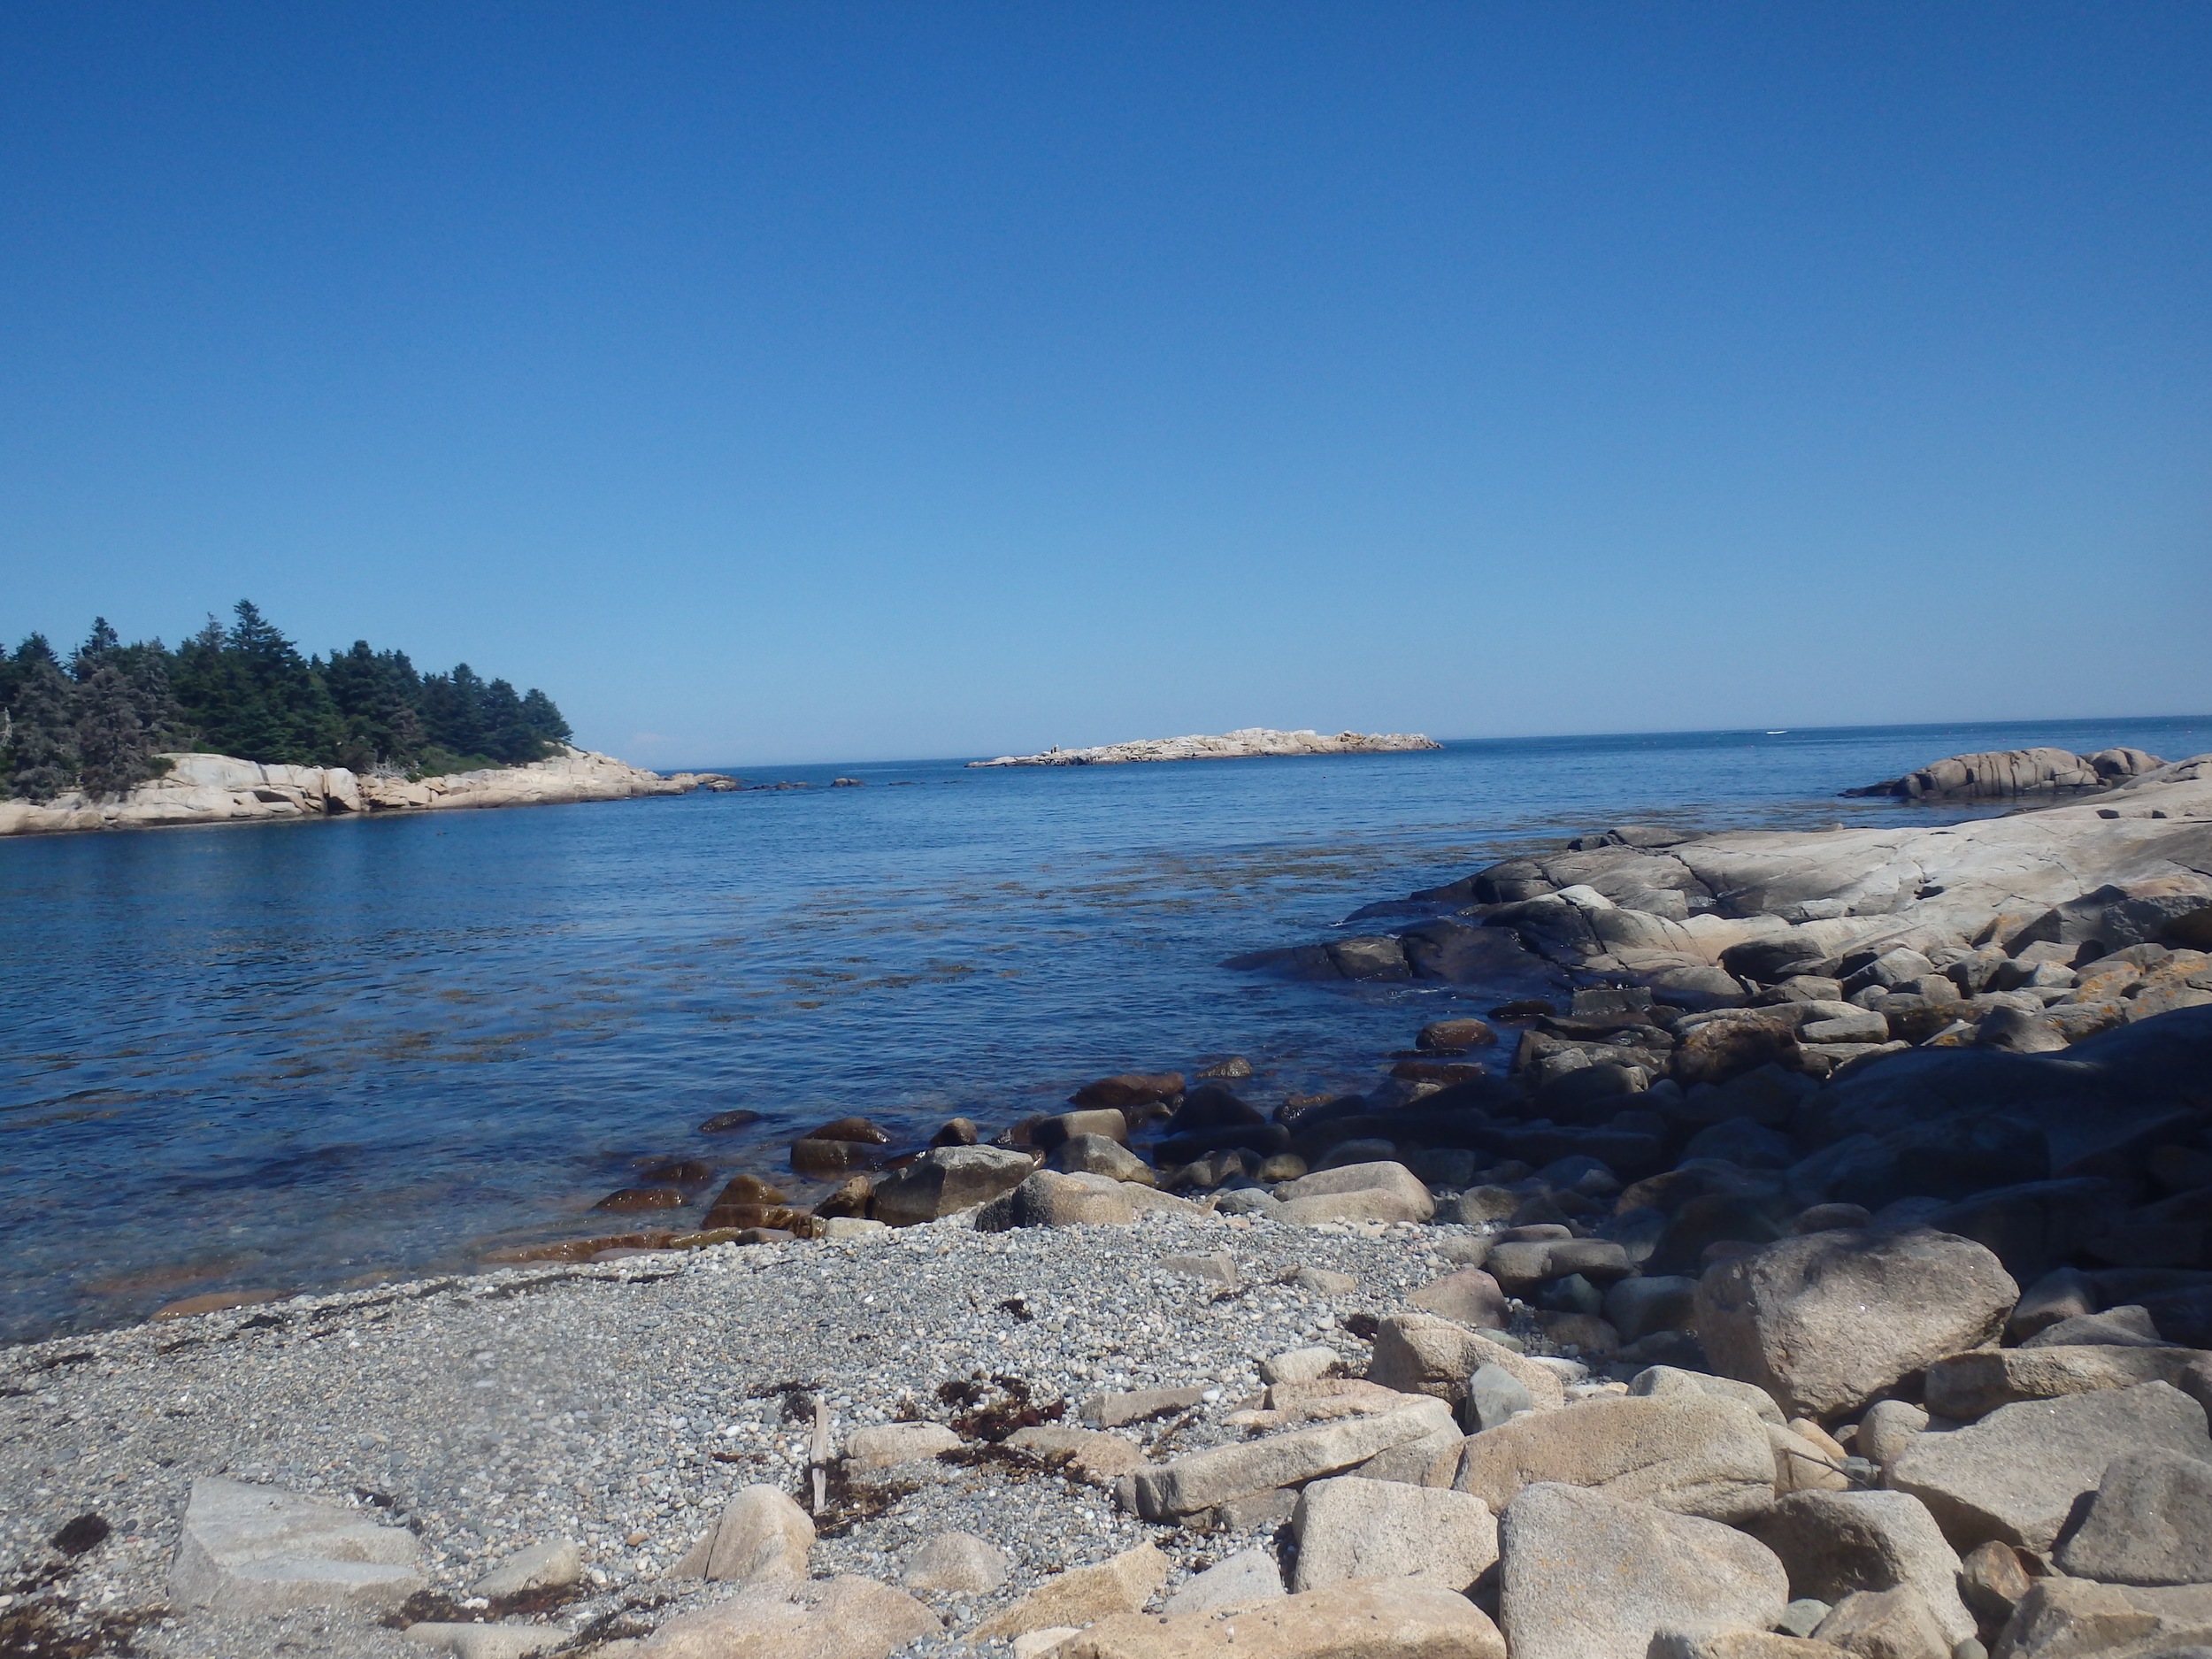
621, 1404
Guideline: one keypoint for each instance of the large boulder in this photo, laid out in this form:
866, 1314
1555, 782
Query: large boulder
245, 1551
1381, 1190
1827, 1321
1584, 1576
1351, 1528
1390, 1620
761, 1534
2062, 1617
1832, 1543
1048, 1199
2016, 1475
1693, 1454
2150, 1522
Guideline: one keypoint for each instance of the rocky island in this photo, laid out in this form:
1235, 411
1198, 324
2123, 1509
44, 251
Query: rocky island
1812, 1257
1251, 742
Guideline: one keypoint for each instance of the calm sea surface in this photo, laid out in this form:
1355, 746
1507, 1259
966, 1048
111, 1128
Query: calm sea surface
304, 1055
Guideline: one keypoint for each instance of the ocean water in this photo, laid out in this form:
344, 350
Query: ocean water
295, 1056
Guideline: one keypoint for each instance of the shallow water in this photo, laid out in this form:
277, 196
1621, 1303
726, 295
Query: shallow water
299, 1055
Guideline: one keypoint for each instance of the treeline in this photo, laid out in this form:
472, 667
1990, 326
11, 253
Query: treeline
97, 720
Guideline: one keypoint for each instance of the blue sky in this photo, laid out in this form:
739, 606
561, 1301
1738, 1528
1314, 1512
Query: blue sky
842, 382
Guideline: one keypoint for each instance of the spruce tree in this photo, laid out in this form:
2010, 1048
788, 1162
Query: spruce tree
111, 749
544, 720
43, 736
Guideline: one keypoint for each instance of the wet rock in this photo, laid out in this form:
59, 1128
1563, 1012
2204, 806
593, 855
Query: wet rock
246, 1551
1344, 1621
1692, 1454
1585, 1576
541, 1567
760, 1535
859, 1129
1082, 1595
1245, 1579
1201, 1480
1455, 1034
946, 1180
1729, 1045
957, 1131
1359, 1192
1832, 1543
827, 1160
1480, 1204
1826, 1321
1885, 1624
1129, 1088
1105, 1122
2150, 1522
723, 1123
2015, 1475
1969, 1386
1230, 1070
1348, 1528
850, 1202
633, 1198
843, 1618
959, 1562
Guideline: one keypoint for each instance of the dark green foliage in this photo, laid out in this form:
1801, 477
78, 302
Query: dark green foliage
43, 732
113, 752
246, 690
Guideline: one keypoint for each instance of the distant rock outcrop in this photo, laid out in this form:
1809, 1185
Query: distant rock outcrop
1252, 741
219, 789
2003, 774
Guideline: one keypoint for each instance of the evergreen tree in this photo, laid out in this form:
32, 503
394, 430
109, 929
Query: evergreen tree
453, 712
375, 694
544, 720
111, 747
43, 736
100, 645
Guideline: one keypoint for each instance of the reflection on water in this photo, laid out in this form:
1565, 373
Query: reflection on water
297, 1055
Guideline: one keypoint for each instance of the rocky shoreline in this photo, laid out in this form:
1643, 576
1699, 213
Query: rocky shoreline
1813, 1257
1251, 742
220, 789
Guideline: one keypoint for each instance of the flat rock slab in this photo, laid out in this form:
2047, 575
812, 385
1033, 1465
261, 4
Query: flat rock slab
844, 1618
1099, 1457
1587, 1577
1223, 1473
1245, 1579
1969, 1386
1351, 1528
1345, 1621
1826, 1321
249, 1550
2062, 1617
1690, 1454
1109, 1411
2015, 1475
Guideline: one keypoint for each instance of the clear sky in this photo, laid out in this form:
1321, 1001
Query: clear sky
816, 383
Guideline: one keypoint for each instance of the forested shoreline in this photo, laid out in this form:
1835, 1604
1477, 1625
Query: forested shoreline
97, 719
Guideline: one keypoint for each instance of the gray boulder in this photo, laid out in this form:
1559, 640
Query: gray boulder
1349, 1528
1825, 1322
1692, 1454
1885, 1624
2150, 1522
1833, 1543
1245, 1579
1584, 1576
2016, 1475
946, 1180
